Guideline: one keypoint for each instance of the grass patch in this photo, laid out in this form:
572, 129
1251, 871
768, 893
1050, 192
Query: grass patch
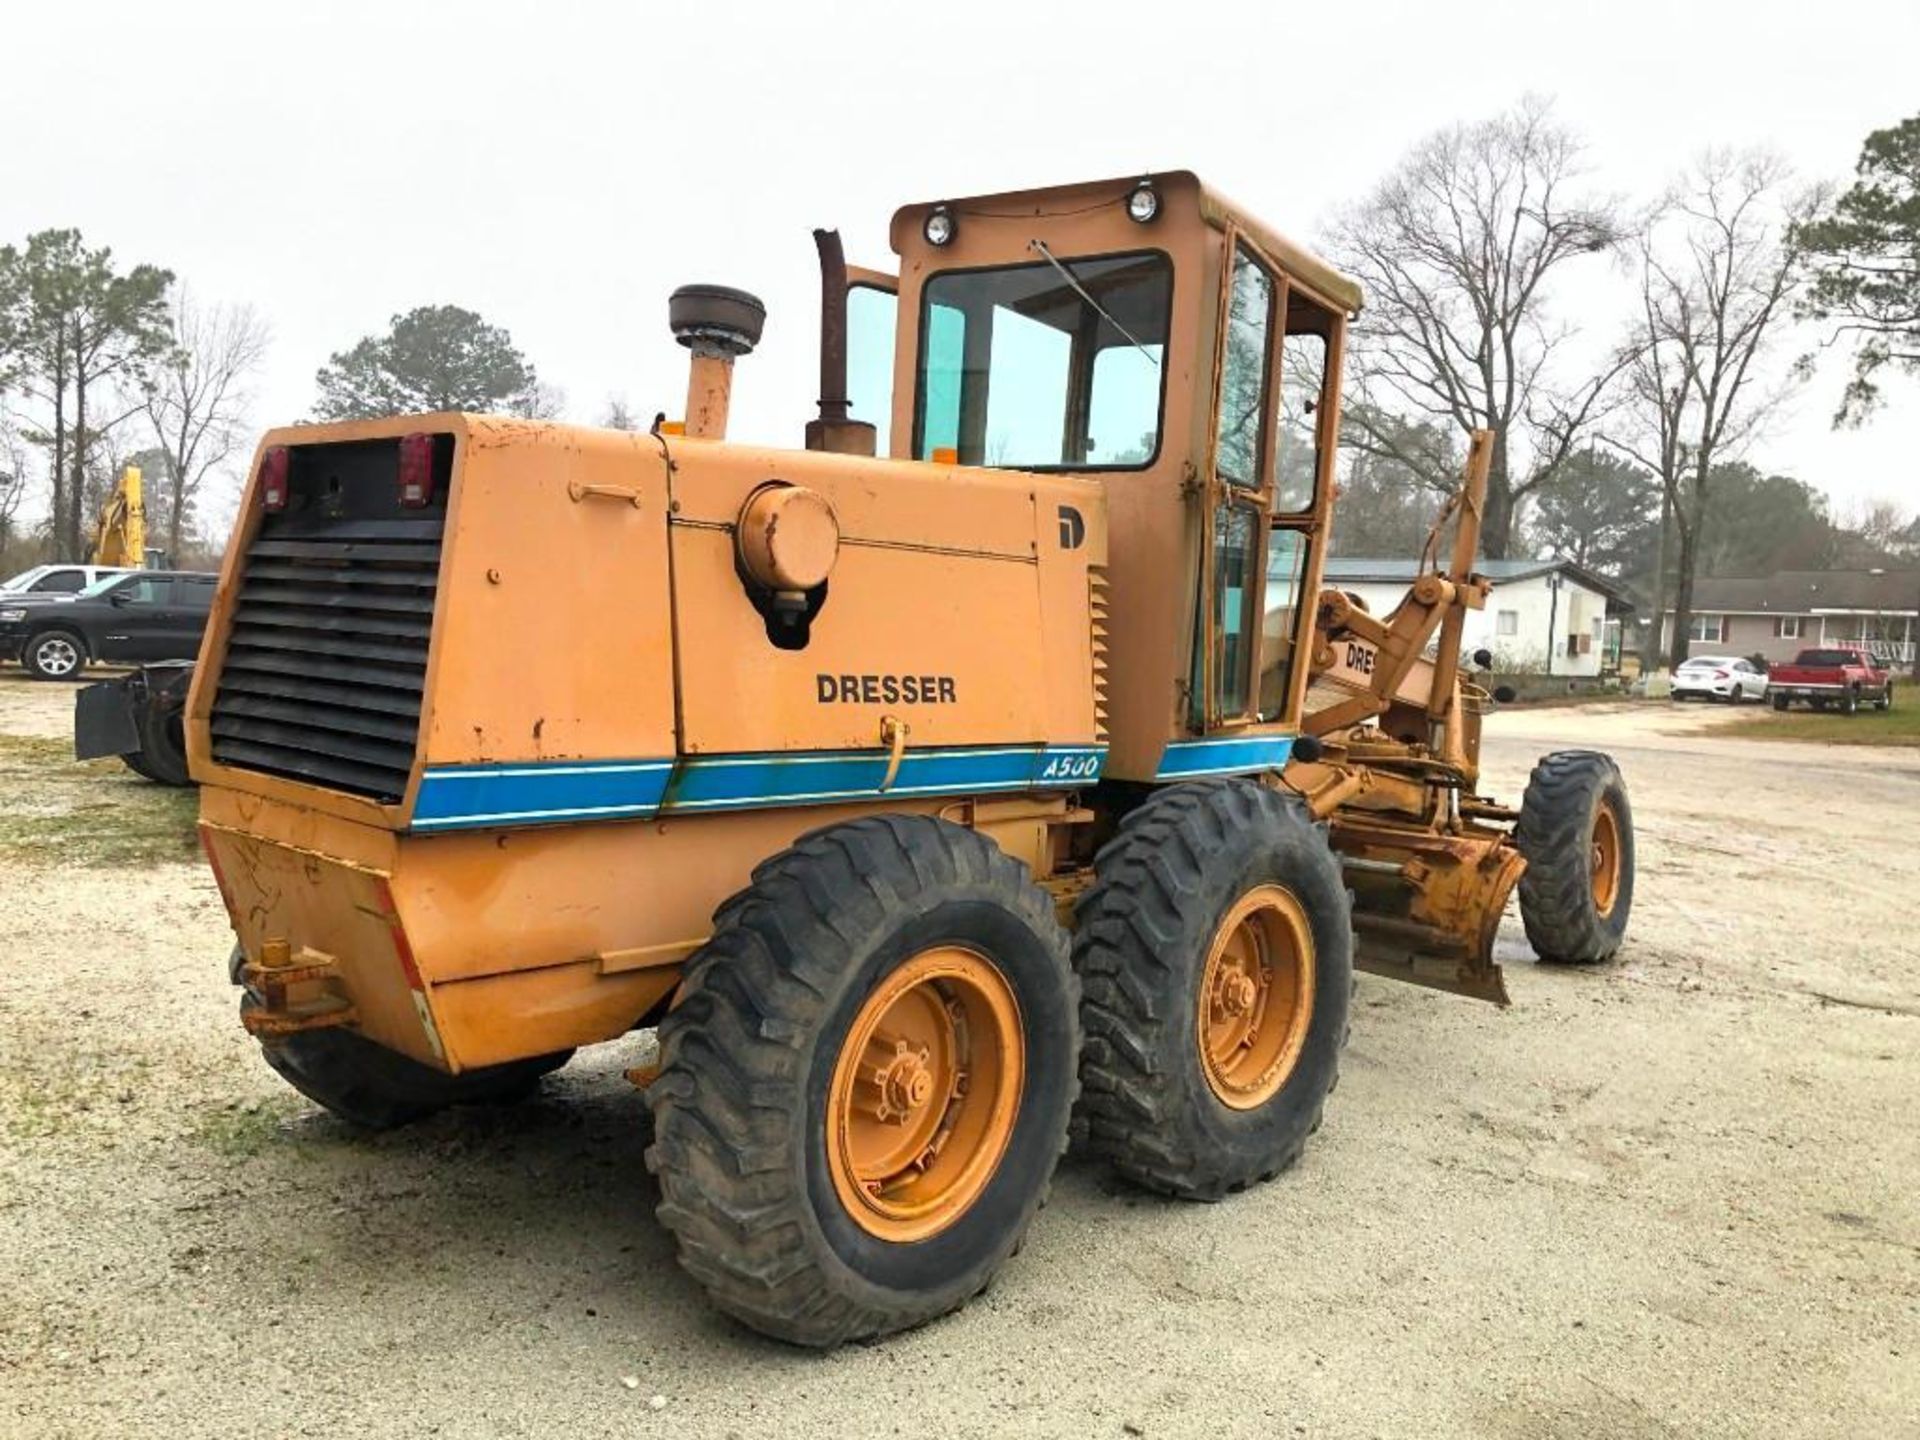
18, 750
55, 810
63, 1092
35, 1114
241, 1131
1899, 726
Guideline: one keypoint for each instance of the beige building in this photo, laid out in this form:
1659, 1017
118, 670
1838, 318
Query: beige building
1777, 616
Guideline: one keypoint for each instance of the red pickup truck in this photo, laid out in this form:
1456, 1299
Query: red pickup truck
1843, 676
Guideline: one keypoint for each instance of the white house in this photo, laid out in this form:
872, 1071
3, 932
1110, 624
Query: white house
1544, 617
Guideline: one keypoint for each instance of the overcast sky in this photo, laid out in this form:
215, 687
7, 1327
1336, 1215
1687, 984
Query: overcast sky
561, 167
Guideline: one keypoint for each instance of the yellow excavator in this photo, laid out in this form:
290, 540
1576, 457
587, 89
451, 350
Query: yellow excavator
135, 716
120, 536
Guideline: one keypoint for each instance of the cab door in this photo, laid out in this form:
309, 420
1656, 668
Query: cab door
1239, 492
1306, 416
1269, 493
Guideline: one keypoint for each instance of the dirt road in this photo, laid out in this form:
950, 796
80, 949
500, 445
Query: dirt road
1675, 1196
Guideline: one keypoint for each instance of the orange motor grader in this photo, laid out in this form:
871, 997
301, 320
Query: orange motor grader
990, 770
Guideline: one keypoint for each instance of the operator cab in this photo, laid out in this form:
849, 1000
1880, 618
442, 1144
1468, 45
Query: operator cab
1148, 333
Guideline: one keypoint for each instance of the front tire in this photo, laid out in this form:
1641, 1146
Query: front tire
1885, 702
1216, 953
1576, 832
865, 1081
1850, 705
54, 655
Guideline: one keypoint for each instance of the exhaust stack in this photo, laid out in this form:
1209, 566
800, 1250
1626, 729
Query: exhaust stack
834, 430
718, 325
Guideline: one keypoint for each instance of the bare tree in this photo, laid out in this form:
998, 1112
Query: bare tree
13, 481
1719, 264
1885, 524
619, 415
540, 401
1877, 531
197, 406
1458, 249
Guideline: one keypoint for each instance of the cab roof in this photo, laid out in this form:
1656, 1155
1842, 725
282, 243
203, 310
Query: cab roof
1317, 274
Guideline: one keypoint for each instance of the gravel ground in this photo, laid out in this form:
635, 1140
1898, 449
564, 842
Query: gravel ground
1674, 1196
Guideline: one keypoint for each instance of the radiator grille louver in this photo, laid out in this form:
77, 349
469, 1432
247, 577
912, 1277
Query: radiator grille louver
328, 653
1097, 605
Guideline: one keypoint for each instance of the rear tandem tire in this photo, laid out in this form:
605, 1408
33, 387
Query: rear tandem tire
865, 1081
1208, 885
1576, 832
136, 762
1780, 703
376, 1088
163, 746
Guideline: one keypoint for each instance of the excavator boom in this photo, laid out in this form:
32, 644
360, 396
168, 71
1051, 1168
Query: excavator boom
120, 537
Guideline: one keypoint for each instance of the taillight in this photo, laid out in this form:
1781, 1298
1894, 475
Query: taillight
273, 478
416, 471
1721, 674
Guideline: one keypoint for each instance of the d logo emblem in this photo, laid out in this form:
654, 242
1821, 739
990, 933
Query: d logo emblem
1073, 529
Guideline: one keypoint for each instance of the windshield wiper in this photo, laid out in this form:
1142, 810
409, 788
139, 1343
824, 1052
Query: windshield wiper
1099, 309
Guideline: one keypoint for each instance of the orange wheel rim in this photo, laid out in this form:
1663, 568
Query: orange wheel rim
925, 1093
1605, 859
1256, 997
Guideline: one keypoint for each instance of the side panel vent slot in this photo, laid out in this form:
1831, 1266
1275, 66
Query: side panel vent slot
1097, 603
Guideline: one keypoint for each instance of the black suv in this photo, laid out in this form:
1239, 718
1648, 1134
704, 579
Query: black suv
145, 615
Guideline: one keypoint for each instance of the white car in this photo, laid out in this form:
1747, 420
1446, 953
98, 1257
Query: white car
58, 579
1720, 677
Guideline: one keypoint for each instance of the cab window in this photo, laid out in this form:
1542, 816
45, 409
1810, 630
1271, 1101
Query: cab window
871, 315
1235, 536
60, 582
1303, 379
1047, 366
1243, 374
1280, 616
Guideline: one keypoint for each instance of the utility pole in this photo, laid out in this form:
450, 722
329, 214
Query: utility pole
1651, 648
1553, 619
